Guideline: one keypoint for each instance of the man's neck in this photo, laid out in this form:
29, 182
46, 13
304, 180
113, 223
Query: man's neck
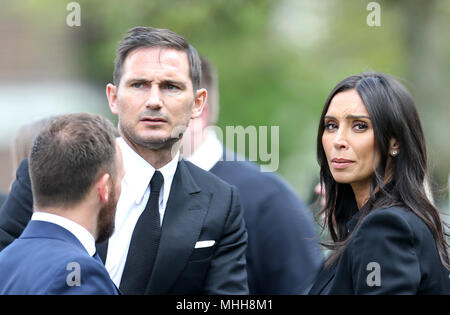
78, 228
76, 214
155, 157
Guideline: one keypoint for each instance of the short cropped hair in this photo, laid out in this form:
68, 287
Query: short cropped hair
67, 157
140, 36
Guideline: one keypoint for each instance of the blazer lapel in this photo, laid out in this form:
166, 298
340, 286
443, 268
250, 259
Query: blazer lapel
183, 220
324, 277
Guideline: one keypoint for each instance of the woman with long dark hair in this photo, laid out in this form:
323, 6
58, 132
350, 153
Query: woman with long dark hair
386, 236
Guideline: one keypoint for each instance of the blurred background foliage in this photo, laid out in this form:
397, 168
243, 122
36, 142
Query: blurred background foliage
277, 61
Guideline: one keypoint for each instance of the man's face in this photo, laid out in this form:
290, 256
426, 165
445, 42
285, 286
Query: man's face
155, 98
107, 214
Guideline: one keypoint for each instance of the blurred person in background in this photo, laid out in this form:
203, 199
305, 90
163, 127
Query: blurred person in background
76, 172
282, 257
21, 145
17, 211
386, 235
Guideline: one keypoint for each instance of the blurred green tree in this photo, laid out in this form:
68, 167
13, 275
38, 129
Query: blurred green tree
278, 60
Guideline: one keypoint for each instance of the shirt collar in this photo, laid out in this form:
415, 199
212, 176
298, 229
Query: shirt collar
83, 235
208, 153
138, 172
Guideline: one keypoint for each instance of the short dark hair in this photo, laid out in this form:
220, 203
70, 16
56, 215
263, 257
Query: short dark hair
140, 36
68, 155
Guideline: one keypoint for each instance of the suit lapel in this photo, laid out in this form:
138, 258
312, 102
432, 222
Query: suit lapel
183, 220
324, 277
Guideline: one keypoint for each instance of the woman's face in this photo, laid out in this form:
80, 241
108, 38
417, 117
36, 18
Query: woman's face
348, 140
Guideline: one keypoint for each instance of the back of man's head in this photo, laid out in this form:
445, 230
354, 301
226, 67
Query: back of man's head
68, 155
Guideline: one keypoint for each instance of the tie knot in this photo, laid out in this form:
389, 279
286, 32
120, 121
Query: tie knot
156, 182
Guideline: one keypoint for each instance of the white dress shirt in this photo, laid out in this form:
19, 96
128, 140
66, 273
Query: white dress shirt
208, 153
132, 202
83, 235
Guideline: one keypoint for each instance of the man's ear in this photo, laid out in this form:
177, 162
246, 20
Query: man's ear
103, 187
199, 103
111, 95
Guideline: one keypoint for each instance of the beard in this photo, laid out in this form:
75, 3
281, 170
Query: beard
151, 144
127, 131
106, 218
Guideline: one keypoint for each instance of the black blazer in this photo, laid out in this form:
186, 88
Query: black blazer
283, 256
200, 207
391, 252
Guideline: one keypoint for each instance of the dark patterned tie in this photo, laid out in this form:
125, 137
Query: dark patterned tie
144, 243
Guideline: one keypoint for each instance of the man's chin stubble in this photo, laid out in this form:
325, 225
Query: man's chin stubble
151, 144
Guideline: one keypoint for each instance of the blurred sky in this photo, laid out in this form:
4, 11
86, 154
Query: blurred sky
277, 62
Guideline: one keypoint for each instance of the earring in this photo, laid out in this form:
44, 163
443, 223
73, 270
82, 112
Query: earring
394, 153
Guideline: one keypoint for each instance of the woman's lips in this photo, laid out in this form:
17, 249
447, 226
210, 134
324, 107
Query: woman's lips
341, 163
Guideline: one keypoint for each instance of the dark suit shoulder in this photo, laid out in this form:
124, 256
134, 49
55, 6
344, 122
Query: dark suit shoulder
52, 251
52, 266
81, 274
396, 219
391, 252
245, 174
206, 179
394, 224
280, 226
17, 209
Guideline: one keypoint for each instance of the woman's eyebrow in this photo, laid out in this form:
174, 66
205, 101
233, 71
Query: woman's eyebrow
357, 117
349, 117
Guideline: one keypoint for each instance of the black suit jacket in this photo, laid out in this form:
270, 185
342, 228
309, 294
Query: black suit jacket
283, 256
391, 252
200, 207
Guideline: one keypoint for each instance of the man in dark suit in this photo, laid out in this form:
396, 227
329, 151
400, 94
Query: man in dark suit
194, 240
283, 255
75, 196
